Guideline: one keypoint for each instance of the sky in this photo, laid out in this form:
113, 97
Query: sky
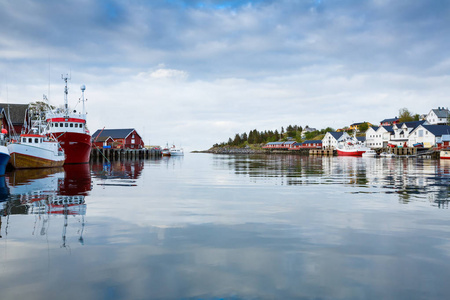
195, 73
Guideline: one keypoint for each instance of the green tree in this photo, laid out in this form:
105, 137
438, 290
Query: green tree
405, 115
363, 127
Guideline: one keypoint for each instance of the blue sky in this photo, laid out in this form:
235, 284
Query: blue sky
198, 72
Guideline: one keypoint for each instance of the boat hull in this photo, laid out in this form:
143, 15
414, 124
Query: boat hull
444, 154
77, 146
25, 156
23, 161
4, 158
350, 152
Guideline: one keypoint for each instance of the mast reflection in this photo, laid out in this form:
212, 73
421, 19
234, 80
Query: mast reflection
46, 193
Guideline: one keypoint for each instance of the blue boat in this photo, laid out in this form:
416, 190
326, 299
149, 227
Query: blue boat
4, 159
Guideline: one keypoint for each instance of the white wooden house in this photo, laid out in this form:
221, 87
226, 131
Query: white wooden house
439, 116
429, 135
331, 139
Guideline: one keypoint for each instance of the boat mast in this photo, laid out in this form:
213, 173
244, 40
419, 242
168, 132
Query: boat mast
83, 88
66, 92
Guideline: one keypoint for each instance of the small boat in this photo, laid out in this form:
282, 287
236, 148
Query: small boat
387, 155
165, 151
369, 153
418, 145
4, 154
36, 151
444, 154
176, 151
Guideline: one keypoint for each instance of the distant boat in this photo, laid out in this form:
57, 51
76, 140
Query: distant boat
165, 151
36, 151
387, 155
176, 151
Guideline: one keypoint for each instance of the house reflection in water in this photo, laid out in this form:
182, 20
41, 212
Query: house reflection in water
128, 169
47, 193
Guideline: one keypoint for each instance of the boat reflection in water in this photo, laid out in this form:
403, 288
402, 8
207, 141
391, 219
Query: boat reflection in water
47, 193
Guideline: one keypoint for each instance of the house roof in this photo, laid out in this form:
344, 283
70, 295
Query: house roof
389, 120
388, 128
441, 112
361, 138
336, 135
375, 128
412, 124
359, 123
313, 142
114, 133
437, 130
15, 112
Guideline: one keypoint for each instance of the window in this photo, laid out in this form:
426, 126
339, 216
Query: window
132, 141
24, 140
30, 140
66, 124
76, 125
132, 136
71, 124
56, 124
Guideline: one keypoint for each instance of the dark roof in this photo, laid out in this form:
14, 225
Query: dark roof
412, 124
361, 138
313, 142
336, 135
103, 134
389, 120
441, 112
15, 112
388, 128
359, 123
437, 130
375, 127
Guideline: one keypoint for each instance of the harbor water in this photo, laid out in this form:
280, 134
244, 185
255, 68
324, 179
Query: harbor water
207, 226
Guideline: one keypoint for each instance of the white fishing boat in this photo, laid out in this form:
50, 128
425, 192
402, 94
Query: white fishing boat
165, 151
369, 153
351, 147
35, 148
36, 151
174, 151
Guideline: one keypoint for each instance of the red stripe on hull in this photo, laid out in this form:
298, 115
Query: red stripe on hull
350, 153
77, 146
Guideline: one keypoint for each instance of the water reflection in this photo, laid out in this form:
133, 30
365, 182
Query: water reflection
47, 193
410, 178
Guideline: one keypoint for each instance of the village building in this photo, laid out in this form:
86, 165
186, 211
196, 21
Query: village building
13, 117
310, 144
428, 135
331, 139
390, 122
401, 132
378, 137
117, 139
355, 126
279, 145
439, 116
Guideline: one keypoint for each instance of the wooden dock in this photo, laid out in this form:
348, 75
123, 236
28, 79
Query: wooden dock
118, 154
322, 152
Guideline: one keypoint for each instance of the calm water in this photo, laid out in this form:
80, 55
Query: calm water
228, 227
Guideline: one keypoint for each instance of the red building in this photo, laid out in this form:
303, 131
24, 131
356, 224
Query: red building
390, 122
13, 118
117, 139
311, 144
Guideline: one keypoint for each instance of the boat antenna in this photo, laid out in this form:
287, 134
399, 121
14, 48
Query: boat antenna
66, 92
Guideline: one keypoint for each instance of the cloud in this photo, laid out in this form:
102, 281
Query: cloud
179, 67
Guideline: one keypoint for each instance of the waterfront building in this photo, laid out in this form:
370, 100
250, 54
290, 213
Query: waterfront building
390, 122
429, 135
439, 116
118, 139
331, 139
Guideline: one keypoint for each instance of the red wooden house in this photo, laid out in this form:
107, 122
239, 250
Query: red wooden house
13, 118
117, 139
311, 144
